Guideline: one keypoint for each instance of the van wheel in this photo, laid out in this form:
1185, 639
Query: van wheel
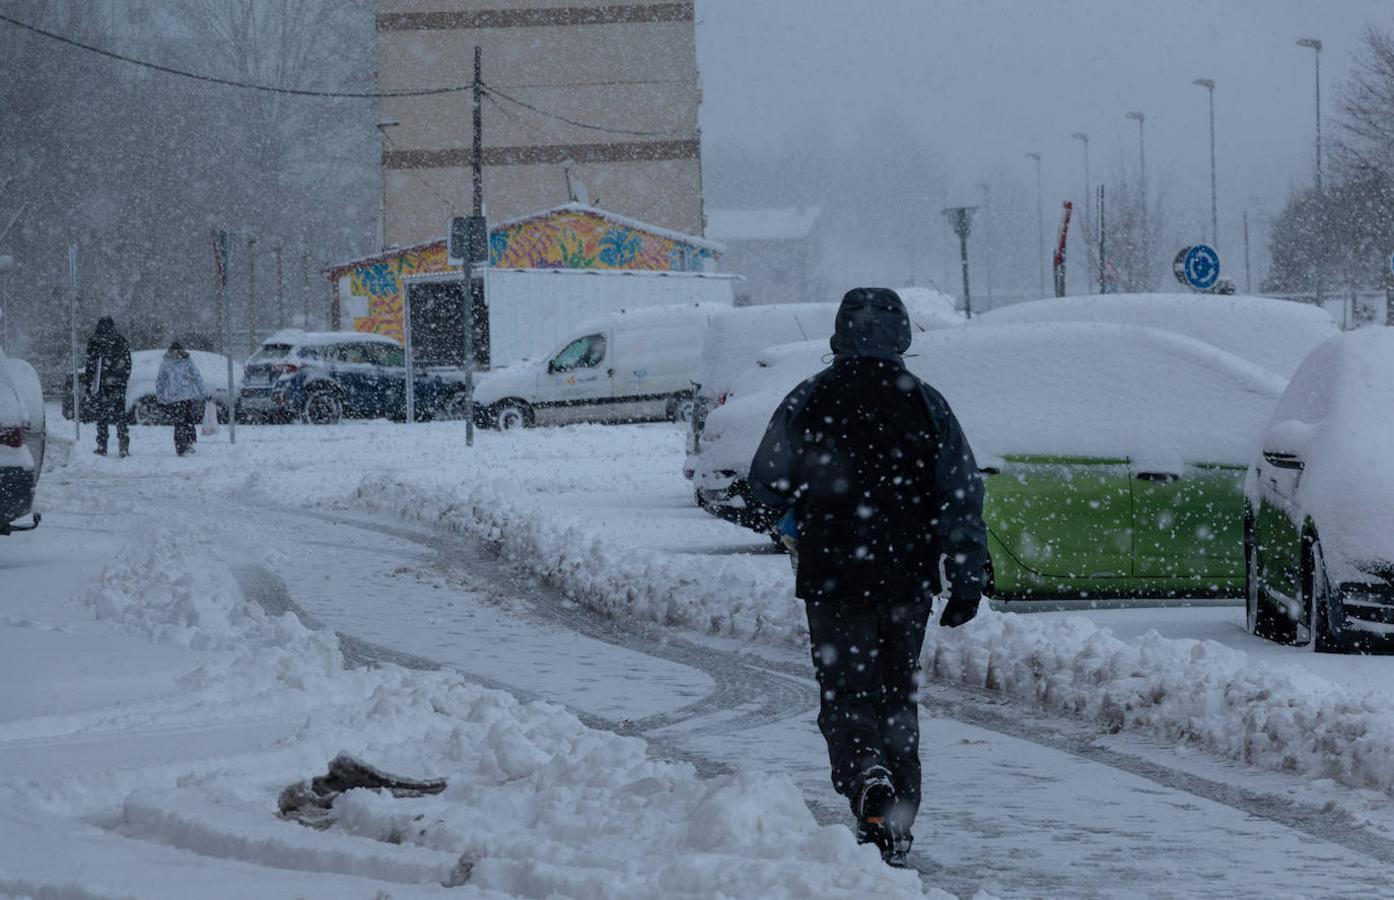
512, 414
680, 409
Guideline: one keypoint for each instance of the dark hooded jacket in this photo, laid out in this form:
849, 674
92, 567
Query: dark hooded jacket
886, 493
108, 361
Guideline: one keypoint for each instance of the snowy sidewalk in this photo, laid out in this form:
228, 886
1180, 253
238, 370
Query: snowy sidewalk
153, 715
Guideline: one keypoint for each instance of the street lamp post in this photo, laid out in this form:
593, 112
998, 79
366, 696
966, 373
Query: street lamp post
1088, 234
1144, 251
1315, 46
1209, 85
251, 295
1040, 221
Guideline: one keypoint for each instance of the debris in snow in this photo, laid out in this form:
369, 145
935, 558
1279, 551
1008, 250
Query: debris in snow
312, 802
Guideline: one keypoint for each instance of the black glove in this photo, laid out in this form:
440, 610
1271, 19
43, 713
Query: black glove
959, 610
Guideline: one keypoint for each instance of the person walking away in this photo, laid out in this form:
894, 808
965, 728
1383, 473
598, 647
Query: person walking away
179, 388
886, 504
108, 371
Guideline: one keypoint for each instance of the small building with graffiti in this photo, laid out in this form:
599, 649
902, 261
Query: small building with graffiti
369, 294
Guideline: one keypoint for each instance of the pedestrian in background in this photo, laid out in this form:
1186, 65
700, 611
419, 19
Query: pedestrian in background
179, 388
887, 513
108, 371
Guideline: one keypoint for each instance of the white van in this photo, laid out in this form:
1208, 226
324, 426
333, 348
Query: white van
627, 366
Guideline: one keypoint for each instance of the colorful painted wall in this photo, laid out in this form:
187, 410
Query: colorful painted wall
577, 239
569, 237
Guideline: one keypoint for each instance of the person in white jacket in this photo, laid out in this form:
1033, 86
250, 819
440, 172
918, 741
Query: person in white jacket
179, 388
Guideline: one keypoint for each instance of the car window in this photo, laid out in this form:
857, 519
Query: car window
352, 354
271, 351
388, 355
582, 353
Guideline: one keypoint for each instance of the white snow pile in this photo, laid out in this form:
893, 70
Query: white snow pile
538, 804
1200, 693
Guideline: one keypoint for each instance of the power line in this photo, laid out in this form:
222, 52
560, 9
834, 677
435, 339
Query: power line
227, 82
551, 115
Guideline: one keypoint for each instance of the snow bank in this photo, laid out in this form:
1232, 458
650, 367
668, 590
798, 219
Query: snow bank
537, 805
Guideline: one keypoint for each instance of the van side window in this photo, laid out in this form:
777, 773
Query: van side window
582, 353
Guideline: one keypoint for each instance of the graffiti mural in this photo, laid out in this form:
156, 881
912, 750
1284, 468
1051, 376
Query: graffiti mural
577, 239
569, 237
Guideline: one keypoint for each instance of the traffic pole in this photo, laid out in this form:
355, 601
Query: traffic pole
474, 286
72, 313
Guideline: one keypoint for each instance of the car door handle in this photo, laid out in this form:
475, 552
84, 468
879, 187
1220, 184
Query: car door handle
1160, 477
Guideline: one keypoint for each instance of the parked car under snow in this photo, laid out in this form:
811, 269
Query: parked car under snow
1319, 511
1114, 455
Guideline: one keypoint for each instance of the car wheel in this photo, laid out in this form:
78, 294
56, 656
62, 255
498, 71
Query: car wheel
1317, 600
146, 412
456, 406
680, 409
1258, 616
323, 408
512, 414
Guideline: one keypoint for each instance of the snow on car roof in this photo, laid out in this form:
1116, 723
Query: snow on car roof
1069, 389
1276, 334
736, 335
320, 338
1342, 399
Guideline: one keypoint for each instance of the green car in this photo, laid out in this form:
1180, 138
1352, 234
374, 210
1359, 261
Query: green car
1114, 456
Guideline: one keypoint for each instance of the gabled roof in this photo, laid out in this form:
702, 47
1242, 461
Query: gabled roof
608, 216
787, 223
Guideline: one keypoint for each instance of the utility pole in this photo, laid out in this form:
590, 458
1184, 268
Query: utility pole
1209, 85
1040, 222
1103, 248
72, 313
474, 284
1315, 45
1145, 251
961, 220
1088, 234
1248, 277
251, 294
304, 286
280, 292
987, 236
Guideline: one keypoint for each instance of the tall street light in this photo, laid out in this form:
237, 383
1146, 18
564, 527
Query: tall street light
1040, 221
1145, 250
1315, 44
1088, 233
1209, 85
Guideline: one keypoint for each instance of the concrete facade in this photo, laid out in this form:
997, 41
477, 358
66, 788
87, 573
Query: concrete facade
629, 66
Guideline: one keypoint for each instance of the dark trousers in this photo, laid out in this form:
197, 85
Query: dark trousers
110, 408
866, 656
187, 413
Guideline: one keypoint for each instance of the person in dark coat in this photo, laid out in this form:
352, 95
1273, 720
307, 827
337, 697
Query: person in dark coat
108, 371
886, 503
180, 390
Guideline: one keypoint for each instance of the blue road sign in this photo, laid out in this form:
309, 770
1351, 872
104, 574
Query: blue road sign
1202, 267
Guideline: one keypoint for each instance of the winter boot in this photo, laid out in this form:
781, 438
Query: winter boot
879, 821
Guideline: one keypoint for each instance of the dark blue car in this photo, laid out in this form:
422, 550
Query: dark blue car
321, 377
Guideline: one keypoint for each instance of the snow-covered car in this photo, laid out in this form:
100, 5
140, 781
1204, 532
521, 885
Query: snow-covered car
1319, 511
22, 436
320, 377
1275, 334
736, 336
1114, 455
142, 408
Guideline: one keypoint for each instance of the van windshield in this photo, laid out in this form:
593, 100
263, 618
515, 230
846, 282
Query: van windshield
582, 353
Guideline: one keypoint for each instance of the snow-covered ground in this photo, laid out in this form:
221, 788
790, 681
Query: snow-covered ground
165, 696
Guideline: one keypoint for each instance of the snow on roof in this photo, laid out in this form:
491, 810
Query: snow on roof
1276, 334
317, 338
608, 216
789, 223
1338, 417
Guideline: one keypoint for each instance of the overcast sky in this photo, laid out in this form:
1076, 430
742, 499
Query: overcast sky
985, 81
